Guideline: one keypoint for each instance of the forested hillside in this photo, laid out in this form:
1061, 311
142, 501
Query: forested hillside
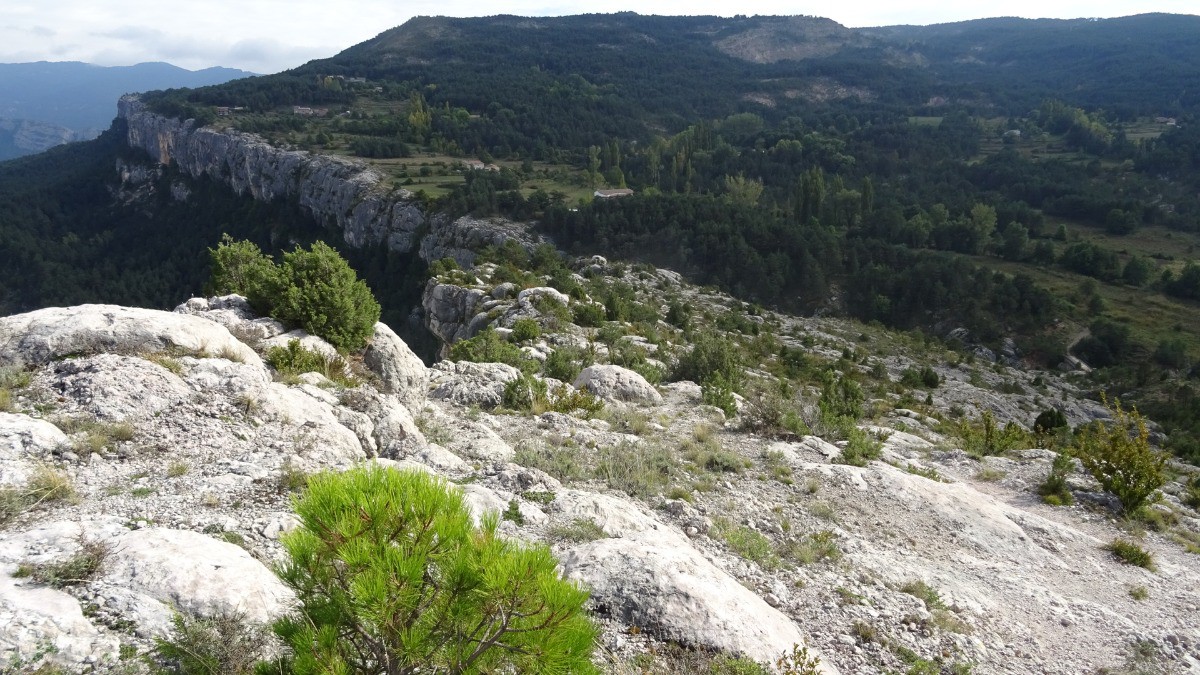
1033, 180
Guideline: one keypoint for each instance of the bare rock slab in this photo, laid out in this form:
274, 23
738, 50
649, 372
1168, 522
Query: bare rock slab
45, 335
614, 383
197, 574
401, 372
673, 592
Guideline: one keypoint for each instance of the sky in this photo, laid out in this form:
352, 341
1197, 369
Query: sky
266, 36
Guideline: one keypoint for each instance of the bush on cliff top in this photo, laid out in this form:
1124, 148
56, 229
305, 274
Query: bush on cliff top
316, 289
392, 576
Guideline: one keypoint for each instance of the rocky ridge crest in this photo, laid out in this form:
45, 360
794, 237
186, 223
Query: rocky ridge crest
181, 447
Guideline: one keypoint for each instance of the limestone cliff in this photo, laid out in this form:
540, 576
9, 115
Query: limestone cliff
340, 193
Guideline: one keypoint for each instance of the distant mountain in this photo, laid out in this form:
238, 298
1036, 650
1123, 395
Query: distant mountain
1125, 62
26, 137
79, 98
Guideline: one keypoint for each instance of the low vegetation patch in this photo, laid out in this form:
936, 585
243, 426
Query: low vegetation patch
812, 548
578, 531
925, 593
747, 542
1054, 490
296, 359
641, 470
223, 644
78, 568
1130, 553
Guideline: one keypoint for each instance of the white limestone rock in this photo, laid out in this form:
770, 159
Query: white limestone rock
617, 517
49, 334
22, 439
466, 383
114, 387
197, 574
617, 384
394, 430
34, 617
234, 312
401, 372
674, 593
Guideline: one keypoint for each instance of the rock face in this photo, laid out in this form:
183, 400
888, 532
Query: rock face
338, 192
47, 334
617, 384
466, 383
461, 238
674, 591
234, 312
197, 574
34, 618
22, 437
452, 312
401, 372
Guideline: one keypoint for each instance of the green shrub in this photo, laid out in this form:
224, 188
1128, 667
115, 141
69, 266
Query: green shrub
1131, 554
391, 576
525, 393
1191, 496
316, 290
1120, 458
711, 356
566, 362
986, 438
841, 397
588, 314
524, 330
925, 377
1054, 489
798, 662
219, 645
717, 392
241, 267
488, 347
772, 411
1049, 420
443, 266
325, 297
860, 446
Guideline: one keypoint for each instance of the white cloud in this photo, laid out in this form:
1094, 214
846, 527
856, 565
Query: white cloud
272, 35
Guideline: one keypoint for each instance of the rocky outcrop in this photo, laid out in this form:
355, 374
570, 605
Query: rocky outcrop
617, 384
453, 312
38, 337
234, 312
340, 193
197, 574
35, 619
22, 437
401, 372
672, 590
466, 383
461, 239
